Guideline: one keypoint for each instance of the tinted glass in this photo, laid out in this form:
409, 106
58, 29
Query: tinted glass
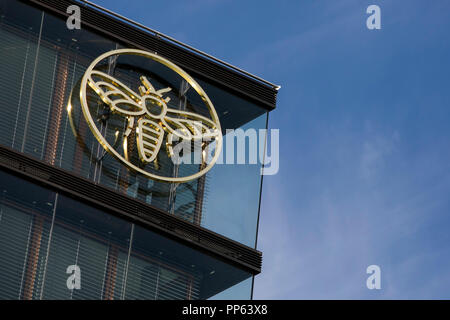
43, 64
43, 234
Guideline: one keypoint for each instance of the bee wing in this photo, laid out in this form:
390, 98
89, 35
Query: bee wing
189, 125
149, 138
114, 93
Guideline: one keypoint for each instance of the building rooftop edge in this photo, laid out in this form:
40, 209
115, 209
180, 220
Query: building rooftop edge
181, 44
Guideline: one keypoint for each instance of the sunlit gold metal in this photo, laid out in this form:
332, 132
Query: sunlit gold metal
150, 126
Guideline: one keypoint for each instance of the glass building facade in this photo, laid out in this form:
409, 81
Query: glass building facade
45, 229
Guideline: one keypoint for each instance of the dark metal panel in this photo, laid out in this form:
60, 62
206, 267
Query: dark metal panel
193, 62
129, 208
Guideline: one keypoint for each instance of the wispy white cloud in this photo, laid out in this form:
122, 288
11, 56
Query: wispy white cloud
320, 247
374, 153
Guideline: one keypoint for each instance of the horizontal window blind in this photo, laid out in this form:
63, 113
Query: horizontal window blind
24, 235
40, 72
43, 233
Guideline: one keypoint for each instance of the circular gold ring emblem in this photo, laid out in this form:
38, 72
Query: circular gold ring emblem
149, 120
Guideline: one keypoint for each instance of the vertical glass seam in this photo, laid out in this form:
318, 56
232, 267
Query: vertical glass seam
21, 91
128, 262
260, 196
48, 245
26, 257
32, 84
50, 105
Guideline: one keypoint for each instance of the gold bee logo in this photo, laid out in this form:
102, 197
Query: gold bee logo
147, 115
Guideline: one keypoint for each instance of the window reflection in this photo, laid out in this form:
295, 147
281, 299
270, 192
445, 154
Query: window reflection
36, 122
41, 63
42, 233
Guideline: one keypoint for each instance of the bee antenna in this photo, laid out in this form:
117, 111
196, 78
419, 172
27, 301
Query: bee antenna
142, 90
161, 91
147, 84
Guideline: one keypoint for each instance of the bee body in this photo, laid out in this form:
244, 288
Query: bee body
154, 118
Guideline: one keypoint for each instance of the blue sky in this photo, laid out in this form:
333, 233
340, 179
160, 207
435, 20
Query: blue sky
364, 128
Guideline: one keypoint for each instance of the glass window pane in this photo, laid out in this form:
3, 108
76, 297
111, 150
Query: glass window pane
94, 241
26, 212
